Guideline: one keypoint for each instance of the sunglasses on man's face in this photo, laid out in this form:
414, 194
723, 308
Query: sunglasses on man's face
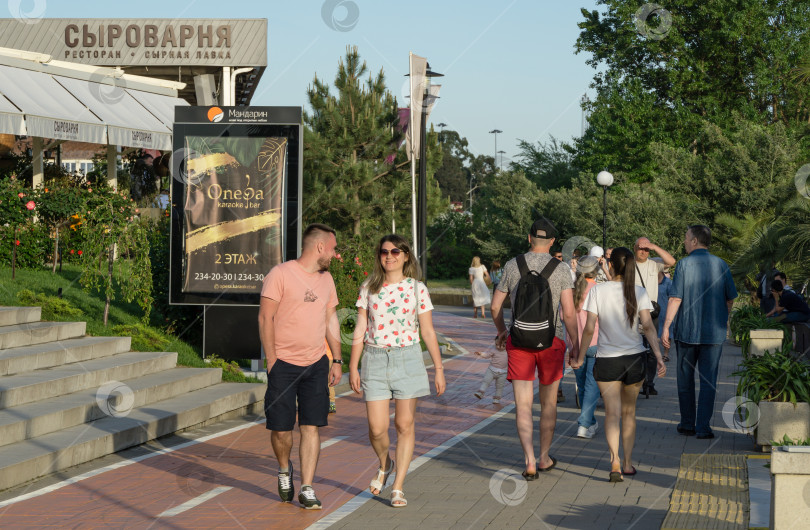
394, 252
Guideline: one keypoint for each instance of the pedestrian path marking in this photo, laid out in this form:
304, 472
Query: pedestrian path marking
361, 498
125, 463
196, 501
332, 441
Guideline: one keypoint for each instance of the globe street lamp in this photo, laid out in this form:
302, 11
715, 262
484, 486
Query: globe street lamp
604, 179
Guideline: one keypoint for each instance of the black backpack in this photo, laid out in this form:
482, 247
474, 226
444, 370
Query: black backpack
533, 318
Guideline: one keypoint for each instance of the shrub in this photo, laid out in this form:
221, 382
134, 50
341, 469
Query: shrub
144, 338
775, 376
53, 307
746, 318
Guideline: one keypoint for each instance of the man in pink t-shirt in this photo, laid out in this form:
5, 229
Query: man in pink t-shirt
298, 310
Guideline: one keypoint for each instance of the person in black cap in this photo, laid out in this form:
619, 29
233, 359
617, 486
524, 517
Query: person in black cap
524, 364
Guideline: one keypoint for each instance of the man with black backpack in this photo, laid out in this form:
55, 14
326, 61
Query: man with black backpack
539, 286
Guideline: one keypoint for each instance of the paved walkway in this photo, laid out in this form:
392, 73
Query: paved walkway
465, 475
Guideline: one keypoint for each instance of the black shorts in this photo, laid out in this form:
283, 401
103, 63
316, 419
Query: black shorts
629, 369
287, 383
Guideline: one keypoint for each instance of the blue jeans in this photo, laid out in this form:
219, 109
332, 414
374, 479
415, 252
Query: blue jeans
706, 358
790, 317
587, 390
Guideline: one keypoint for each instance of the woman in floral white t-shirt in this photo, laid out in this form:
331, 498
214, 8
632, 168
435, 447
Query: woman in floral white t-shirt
391, 308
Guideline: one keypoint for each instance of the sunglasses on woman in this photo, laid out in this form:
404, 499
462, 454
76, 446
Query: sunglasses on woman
394, 252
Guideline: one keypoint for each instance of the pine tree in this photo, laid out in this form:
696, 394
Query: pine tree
355, 175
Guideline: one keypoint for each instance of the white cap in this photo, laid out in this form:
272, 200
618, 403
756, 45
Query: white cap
596, 251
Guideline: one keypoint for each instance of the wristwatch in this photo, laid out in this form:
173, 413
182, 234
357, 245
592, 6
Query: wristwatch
337, 361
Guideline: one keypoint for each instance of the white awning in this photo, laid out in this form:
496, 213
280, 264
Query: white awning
103, 106
11, 119
161, 106
128, 122
50, 110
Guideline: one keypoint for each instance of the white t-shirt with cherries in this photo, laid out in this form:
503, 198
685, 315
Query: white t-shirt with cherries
393, 312
617, 336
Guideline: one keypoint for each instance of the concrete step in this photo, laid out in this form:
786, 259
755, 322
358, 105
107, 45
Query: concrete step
18, 335
19, 315
39, 356
51, 415
30, 459
34, 386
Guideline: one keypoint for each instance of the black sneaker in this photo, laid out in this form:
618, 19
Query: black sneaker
652, 391
308, 499
285, 485
685, 432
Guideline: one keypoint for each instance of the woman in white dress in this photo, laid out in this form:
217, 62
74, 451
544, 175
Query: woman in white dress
480, 291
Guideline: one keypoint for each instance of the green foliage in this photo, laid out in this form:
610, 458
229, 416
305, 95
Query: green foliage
774, 377
144, 338
503, 213
786, 440
185, 319
746, 318
355, 175
228, 367
110, 229
549, 165
351, 270
53, 307
451, 248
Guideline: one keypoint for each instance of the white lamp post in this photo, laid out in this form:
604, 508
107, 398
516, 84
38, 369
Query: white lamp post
604, 179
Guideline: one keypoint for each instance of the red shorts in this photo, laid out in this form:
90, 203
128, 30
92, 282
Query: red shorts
523, 362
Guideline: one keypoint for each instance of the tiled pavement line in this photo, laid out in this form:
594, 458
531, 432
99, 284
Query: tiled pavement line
759, 491
711, 492
134, 496
454, 490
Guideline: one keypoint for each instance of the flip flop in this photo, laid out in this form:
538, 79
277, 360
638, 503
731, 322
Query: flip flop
529, 476
615, 476
549, 468
626, 474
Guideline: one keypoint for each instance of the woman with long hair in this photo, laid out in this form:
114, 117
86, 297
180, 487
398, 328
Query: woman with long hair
587, 389
480, 291
393, 307
619, 305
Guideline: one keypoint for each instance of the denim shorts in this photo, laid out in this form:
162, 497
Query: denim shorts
393, 373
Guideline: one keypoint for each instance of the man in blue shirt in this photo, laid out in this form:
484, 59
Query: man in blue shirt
701, 296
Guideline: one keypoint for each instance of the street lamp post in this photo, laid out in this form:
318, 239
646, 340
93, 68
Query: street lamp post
605, 179
501, 153
496, 132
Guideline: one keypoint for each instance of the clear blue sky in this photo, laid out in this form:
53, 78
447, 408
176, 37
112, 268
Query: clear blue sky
508, 65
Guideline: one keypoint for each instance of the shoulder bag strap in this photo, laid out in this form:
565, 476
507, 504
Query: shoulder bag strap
641, 276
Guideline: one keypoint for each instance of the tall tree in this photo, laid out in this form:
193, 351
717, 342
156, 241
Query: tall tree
355, 175
717, 59
549, 165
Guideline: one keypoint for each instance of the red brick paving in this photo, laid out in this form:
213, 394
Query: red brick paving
133, 496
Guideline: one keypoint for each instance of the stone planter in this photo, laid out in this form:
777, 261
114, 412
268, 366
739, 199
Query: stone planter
790, 488
779, 419
765, 339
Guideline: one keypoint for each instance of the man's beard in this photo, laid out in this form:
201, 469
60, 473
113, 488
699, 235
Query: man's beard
323, 263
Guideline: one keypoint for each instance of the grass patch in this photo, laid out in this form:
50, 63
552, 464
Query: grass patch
453, 283
40, 288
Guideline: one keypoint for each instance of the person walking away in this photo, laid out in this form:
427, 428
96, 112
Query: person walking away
392, 308
480, 292
496, 371
789, 306
647, 277
586, 384
617, 307
700, 301
496, 274
664, 283
539, 281
300, 295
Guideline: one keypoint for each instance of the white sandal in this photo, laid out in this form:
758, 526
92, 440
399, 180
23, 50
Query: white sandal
382, 477
398, 496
